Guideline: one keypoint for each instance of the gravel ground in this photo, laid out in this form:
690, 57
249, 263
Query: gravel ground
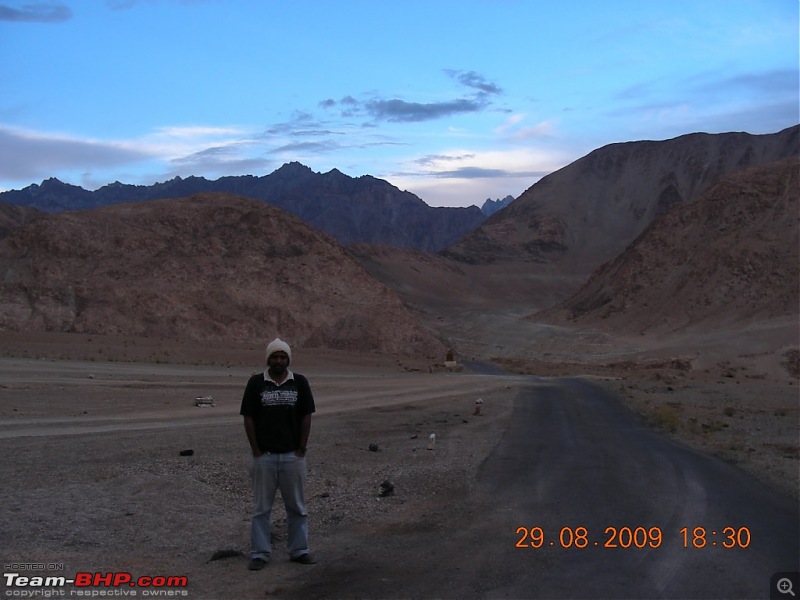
120, 497
95, 480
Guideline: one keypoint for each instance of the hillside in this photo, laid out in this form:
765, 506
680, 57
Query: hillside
208, 267
589, 211
12, 216
353, 210
724, 261
188, 268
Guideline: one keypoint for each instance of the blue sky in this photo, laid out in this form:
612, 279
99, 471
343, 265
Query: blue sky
455, 101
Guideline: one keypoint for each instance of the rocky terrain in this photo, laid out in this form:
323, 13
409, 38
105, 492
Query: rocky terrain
208, 267
12, 216
728, 259
589, 211
198, 268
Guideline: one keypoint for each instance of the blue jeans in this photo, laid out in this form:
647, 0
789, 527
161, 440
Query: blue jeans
270, 473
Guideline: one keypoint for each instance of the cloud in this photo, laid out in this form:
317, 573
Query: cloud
762, 116
434, 159
175, 142
213, 155
511, 122
461, 176
483, 173
36, 12
30, 156
755, 102
464, 164
783, 81
511, 129
305, 137
290, 129
315, 147
196, 131
26, 155
302, 123
193, 150
226, 160
126, 4
710, 84
540, 130
471, 173
400, 111
208, 150
474, 80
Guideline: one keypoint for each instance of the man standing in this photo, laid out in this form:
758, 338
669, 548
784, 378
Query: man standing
277, 407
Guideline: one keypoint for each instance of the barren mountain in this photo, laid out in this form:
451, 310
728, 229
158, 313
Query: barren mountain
12, 217
589, 211
364, 209
728, 259
208, 267
351, 209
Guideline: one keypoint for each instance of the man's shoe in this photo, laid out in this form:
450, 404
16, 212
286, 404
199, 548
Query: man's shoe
304, 559
256, 564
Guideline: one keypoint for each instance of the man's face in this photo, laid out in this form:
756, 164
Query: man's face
278, 362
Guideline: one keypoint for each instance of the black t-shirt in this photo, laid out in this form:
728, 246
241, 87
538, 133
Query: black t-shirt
278, 410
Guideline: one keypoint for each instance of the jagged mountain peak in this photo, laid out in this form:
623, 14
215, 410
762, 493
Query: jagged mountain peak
293, 168
489, 206
54, 183
352, 210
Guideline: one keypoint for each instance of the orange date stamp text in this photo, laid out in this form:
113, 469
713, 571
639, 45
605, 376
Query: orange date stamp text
632, 537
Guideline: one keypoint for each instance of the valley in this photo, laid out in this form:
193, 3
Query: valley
652, 285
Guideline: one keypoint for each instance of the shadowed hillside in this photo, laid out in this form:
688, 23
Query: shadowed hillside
208, 267
589, 211
725, 260
12, 217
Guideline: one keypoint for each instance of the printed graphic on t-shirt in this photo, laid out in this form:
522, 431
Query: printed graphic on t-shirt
279, 397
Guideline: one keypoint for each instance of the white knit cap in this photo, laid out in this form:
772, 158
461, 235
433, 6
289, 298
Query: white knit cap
278, 345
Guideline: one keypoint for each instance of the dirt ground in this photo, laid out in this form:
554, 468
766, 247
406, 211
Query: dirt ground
98, 484
93, 429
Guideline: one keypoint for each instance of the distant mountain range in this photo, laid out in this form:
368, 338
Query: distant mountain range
689, 233
352, 210
492, 206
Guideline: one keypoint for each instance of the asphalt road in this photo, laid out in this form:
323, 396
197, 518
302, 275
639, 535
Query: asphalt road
573, 457
603, 499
